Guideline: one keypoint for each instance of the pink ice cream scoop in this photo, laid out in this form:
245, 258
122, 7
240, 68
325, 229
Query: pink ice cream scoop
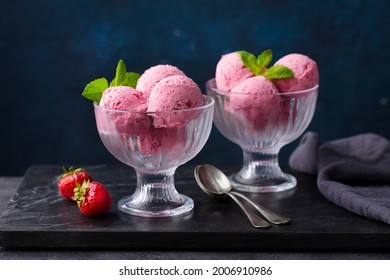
123, 98
254, 101
131, 119
155, 74
166, 141
174, 93
230, 71
305, 71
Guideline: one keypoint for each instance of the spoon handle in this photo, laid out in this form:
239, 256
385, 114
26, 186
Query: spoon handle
255, 220
268, 214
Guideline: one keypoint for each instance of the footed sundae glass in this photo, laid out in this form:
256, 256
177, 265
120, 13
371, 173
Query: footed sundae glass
261, 126
155, 144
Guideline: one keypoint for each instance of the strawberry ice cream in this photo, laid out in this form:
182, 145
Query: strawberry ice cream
155, 74
305, 71
263, 112
163, 140
174, 93
255, 101
123, 98
126, 99
151, 120
154, 127
261, 100
231, 71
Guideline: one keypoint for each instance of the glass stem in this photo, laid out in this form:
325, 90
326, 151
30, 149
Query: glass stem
261, 164
156, 188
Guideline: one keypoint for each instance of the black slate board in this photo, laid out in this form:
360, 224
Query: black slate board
37, 216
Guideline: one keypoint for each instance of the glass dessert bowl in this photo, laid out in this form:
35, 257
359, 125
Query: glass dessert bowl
155, 144
261, 126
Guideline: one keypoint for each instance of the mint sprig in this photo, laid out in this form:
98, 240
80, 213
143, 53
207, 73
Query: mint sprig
94, 90
278, 72
132, 79
250, 61
259, 64
264, 59
120, 74
123, 78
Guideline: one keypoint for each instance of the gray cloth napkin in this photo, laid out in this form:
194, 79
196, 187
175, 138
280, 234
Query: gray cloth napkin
352, 172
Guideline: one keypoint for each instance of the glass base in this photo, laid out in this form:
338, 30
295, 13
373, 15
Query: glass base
263, 184
156, 196
132, 206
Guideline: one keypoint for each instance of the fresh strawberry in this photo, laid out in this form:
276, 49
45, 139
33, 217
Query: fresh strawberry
68, 180
92, 198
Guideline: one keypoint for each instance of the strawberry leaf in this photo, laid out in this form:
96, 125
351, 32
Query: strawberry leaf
80, 191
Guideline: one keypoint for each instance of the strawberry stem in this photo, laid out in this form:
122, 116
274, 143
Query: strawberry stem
80, 191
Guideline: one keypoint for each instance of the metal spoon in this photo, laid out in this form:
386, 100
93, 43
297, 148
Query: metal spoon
205, 181
214, 181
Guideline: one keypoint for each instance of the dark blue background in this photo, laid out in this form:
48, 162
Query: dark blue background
49, 50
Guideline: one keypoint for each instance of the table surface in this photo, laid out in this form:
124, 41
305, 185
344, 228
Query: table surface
10, 184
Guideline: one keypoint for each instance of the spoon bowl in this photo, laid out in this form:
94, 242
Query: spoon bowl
211, 181
215, 183
205, 180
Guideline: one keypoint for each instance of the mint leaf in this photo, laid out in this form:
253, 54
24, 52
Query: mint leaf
120, 74
94, 90
249, 60
264, 59
278, 72
132, 79
123, 78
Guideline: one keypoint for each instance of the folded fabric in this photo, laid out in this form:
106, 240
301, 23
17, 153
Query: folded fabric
352, 172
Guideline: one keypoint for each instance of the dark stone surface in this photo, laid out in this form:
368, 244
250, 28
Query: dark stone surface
51, 49
8, 186
37, 217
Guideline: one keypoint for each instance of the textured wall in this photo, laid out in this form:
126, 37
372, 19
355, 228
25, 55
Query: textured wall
49, 50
